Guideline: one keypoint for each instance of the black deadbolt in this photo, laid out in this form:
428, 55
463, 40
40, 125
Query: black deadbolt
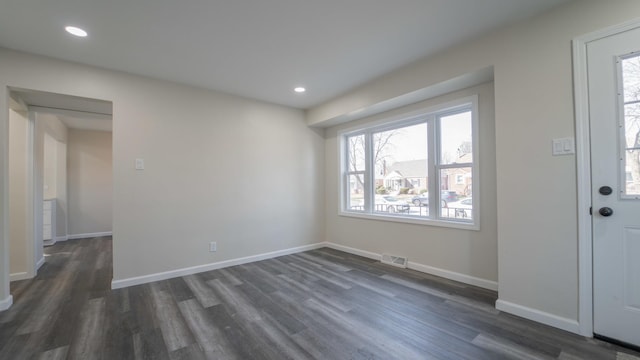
606, 211
605, 190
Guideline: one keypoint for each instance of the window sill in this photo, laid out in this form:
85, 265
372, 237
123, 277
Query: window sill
463, 225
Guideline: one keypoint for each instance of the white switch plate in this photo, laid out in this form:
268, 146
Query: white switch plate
563, 146
139, 164
213, 246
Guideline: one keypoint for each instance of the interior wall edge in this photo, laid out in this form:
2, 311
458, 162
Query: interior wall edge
6, 303
39, 263
4, 204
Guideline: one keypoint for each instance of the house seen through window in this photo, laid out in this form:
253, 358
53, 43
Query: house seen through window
420, 168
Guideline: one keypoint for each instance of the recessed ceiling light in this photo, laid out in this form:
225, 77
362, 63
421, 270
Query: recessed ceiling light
76, 31
299, 89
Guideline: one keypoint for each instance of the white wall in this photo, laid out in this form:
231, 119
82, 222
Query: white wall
90, 181
18, 232
472, 254
537, 221
246, 174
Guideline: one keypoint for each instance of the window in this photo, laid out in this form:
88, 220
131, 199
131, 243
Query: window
418, 168
630, 127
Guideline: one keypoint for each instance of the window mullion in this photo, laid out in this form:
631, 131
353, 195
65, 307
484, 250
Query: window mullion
344, 196
432, 154
454, 165
346, 177
368, 172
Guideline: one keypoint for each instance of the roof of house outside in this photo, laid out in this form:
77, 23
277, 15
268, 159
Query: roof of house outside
416, 168
410, 169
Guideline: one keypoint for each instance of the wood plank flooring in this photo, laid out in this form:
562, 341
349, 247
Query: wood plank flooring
321, 304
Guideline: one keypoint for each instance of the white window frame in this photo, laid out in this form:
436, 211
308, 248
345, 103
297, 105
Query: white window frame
426, 115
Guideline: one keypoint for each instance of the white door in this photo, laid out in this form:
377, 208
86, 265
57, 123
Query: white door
614, 113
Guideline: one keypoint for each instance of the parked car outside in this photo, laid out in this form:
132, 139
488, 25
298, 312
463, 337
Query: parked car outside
449, 195
462, 208
390, 204
446, 196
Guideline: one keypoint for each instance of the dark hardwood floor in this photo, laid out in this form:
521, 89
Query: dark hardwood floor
321, 304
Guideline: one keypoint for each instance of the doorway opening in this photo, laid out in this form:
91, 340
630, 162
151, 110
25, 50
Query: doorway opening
60, 186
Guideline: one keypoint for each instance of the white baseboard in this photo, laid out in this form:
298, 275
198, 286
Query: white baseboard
138, 280
49, 242
463, 278
19, 276
89, 235
539, 316
354, 251
6, 303
452, 275
55, 240
40, 263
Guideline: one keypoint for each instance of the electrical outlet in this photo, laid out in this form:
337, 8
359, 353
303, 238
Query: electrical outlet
213, 246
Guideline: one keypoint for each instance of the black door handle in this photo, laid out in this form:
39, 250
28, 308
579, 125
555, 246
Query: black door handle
605, 190
606, 211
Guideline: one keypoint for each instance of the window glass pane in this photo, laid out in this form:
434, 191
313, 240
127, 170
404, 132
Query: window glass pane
391, 204
456, 138
631, 87
632, 172
355, 201
419, 204
456, 185
400, 158
631, 78
632, 125
355, 153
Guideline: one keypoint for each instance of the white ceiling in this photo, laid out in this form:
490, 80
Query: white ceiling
256, 48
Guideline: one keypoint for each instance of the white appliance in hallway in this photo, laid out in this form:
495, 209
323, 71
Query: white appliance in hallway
49, 221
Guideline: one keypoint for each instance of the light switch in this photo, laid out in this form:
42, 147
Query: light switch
139, 164
563, 146
568, 146
557, 147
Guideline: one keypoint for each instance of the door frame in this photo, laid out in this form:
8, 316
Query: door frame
36, 192
583, 163
30, 240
